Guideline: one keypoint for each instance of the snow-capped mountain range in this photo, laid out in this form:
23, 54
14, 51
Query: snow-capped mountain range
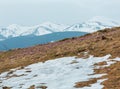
94, 24
89, 26
15, 30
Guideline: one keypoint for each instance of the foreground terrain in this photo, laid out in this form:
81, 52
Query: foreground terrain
99, 44
62, 73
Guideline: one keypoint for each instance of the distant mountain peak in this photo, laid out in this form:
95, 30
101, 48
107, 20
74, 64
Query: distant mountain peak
15, 30
104, 20
13, 26
92, 25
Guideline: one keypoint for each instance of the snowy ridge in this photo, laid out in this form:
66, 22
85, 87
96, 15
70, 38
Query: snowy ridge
15, 30
61, 73
92, 25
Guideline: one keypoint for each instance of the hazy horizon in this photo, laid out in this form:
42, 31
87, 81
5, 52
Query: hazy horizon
32, 12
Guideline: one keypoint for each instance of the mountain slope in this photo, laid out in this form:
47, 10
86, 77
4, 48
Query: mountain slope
27, 41
100, 72
101, 44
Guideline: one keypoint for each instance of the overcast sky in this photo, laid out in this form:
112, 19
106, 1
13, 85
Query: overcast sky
32, 12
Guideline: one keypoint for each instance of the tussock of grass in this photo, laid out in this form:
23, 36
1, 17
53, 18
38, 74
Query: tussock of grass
85, 83
32, 87
6, 87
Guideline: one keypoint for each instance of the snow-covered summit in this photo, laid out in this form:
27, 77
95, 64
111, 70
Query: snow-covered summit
15, 30
103, 21
94, 24
55, 27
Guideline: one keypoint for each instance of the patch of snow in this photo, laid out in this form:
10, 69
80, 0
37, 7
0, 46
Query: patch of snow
60, 73
117, 59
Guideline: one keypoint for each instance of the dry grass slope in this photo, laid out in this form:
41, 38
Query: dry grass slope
100, 43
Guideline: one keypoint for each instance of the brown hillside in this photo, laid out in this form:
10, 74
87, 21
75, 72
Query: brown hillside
99, 43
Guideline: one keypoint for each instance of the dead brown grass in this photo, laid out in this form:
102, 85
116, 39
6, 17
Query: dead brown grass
6, 87
113, 76
42, 87
85, 83
32, 87
98, 44
101, 63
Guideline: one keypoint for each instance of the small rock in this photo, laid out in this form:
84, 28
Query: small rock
5, 87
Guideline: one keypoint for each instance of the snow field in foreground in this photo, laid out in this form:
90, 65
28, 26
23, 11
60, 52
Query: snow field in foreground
61, 73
